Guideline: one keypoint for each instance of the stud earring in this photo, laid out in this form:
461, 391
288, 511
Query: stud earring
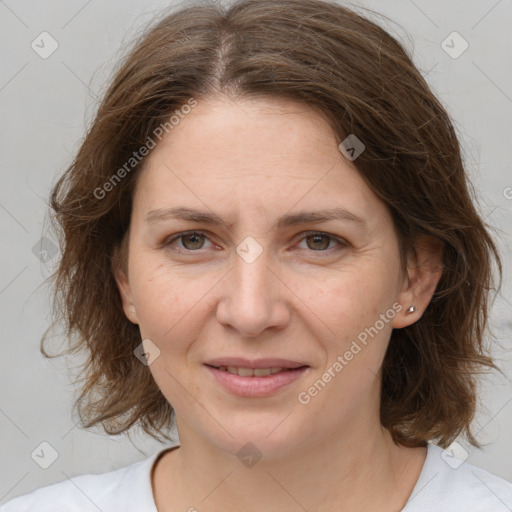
412, 309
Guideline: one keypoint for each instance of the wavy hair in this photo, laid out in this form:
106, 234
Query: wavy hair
363, 81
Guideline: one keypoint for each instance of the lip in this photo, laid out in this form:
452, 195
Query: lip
241, 362
256, 386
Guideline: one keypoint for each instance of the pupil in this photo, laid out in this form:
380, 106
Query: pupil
321, 236
192, 236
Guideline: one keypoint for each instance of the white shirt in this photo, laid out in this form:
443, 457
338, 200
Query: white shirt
441, 487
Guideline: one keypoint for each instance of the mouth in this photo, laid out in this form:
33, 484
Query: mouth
255, 372
262, 363
259, 378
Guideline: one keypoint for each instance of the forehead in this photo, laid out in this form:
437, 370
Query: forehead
257, 154
249, 133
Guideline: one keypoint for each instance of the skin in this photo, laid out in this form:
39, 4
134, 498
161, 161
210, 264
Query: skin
303, 298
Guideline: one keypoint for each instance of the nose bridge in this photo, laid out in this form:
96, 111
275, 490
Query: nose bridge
251, 273
252, 303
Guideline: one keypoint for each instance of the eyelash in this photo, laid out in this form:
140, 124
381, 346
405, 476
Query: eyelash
342, 243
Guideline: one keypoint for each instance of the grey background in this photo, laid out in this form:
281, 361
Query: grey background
45, 104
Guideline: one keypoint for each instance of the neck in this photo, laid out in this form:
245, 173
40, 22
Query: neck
364, 471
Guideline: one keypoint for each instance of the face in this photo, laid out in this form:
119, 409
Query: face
257, 286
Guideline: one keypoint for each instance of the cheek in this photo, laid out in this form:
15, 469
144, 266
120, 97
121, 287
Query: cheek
353, 339
166, 300
347, 316
170, 315
350, 299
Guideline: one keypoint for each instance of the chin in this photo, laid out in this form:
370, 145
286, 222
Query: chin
270, 438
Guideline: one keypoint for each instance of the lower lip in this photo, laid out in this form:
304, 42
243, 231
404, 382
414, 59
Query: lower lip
256, 386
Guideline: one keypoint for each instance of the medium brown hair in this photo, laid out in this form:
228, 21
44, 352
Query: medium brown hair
363, 82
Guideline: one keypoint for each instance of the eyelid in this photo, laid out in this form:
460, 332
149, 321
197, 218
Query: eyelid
340, 241
181, 234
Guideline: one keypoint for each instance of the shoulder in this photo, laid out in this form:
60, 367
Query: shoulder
127, 488
449, 484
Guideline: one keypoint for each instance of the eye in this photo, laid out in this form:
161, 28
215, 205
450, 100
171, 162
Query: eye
320, 241
193, 241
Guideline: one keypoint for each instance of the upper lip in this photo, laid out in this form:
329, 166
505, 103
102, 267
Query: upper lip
240, 362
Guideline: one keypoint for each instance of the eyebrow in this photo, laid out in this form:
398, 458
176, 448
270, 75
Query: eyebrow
290, 219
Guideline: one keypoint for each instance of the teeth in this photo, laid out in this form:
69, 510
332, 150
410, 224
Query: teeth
250, 372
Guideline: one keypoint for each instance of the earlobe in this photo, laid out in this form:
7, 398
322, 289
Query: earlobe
421, 280
123, 285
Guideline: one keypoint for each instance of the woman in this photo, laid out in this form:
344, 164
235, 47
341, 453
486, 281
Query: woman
268, 232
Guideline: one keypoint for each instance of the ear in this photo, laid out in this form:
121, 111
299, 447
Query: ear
123, 285
423, 273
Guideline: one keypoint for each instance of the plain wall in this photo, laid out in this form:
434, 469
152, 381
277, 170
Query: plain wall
45, 104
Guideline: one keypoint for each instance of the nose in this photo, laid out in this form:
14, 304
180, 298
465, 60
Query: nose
253, 297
